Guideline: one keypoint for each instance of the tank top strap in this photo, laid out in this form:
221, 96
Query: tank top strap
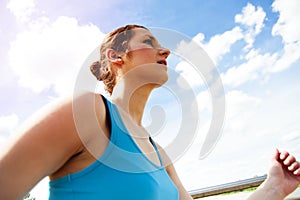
114, 121
123, 145
157, 152
108, 118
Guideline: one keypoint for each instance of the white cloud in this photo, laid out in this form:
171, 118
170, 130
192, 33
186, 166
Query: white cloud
290, 56
240, 108
253, 19
258, 65
204, 101
255, 65
22, 9
189, 74
220, 44
287, 25
288, 28
196, 65
8, 124
217, 46
250, 122
292, 136
50, 54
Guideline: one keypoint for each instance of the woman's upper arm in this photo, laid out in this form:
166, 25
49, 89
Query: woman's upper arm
38, 150
183, 194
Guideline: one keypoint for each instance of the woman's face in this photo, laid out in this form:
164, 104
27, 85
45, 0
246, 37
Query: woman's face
145, 51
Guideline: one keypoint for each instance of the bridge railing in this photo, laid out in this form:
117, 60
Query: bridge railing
228, 187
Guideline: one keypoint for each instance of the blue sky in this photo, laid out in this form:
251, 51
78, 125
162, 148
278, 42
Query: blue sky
254, 45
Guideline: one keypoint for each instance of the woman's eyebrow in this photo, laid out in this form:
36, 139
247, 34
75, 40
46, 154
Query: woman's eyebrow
151, 37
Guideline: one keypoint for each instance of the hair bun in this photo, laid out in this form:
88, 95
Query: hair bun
95, 69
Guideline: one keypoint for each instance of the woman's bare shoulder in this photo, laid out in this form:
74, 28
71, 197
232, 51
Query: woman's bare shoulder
49, 139
66, 112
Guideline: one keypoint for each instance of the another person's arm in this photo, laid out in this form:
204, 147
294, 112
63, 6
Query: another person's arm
283, 178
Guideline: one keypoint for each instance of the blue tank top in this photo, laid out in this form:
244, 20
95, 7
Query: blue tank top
122, 172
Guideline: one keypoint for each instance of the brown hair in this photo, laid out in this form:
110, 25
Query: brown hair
118, 41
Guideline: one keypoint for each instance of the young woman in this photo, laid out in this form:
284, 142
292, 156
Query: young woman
93, 148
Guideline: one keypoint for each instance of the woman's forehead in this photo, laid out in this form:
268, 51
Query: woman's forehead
141, 32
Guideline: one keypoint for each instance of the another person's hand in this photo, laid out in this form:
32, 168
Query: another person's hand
284, 173
283, 178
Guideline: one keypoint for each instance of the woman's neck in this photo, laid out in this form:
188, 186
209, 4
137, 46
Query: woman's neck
132, 101
137, 104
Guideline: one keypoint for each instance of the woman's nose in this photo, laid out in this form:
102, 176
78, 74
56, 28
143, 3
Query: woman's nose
164, 52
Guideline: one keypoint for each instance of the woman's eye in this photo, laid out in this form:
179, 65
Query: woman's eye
148, 41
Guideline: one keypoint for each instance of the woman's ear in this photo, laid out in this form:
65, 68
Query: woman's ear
114, 57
